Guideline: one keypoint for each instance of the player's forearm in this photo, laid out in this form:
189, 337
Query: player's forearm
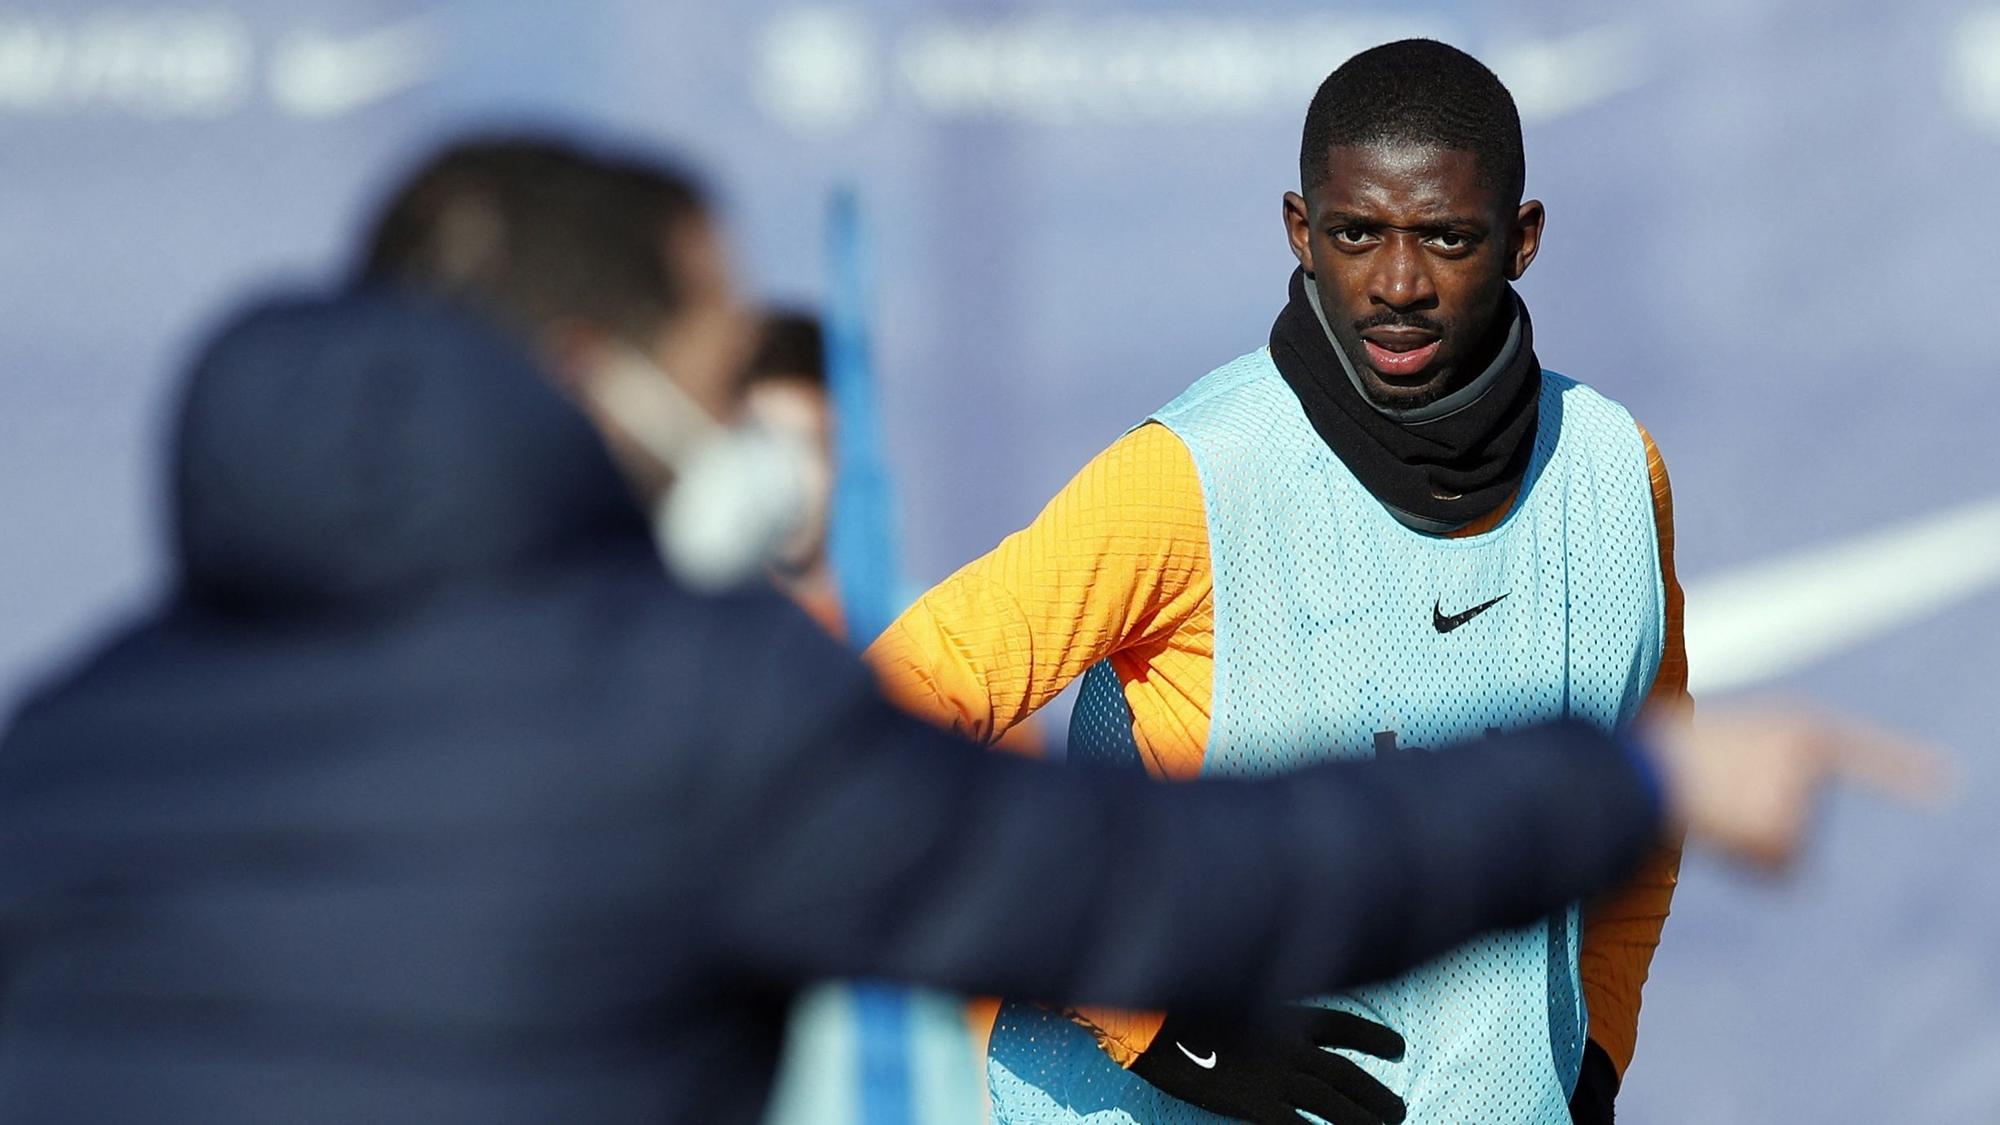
1121, 1033
1621, 932
962, 657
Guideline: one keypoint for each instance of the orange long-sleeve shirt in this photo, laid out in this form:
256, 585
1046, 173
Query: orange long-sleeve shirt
1117, 567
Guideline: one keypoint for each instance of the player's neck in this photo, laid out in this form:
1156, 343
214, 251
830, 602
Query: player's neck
1443, 465
1453, 390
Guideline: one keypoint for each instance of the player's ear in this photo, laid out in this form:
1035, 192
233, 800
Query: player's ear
1526, 240
1298, 230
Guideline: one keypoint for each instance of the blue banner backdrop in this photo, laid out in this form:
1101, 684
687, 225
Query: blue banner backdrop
1766, 236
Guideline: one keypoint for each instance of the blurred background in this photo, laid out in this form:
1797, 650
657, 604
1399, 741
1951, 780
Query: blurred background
1770, 235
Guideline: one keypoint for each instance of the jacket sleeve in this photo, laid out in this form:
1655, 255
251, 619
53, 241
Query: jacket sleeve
1622, 929
834, 835
1119, 557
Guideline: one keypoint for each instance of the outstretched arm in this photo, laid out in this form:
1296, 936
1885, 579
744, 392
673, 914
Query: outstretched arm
849, 839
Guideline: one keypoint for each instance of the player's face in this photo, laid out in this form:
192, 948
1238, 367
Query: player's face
1411, 255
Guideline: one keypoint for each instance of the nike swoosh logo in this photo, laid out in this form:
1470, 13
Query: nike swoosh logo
1207, 1063
1445, 624
1770, 619
319, 76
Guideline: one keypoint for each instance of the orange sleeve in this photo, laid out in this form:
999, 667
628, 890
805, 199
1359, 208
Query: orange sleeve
1622, 929
1118, 558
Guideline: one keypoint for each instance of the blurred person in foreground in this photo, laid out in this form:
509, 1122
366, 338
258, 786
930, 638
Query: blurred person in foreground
610, 253
1389, 528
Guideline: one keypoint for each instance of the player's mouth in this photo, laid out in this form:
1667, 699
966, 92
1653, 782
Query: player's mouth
1400, 353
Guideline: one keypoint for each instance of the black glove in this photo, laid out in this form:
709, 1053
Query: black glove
1268, 1071
1596, 1086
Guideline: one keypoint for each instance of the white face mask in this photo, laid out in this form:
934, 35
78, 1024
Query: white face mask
741, 497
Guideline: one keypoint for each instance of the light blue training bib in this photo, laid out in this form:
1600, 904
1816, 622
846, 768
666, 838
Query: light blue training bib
1342, 633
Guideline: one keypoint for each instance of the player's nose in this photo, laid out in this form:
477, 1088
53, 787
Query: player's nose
1401, 278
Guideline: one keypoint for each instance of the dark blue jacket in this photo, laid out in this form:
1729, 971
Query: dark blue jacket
426, 798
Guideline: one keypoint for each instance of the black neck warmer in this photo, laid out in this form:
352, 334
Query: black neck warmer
1438, 467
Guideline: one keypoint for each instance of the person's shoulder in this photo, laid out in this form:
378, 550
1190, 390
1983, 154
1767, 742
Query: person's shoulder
135, 654
1618, 434
1144, 487
1151, 453
1237, 376
1572, 392
1584, 406
1565, 386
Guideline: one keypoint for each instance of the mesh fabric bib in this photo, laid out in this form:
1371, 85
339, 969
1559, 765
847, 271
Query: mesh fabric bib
1342, 633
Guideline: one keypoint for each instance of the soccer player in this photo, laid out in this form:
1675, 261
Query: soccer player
1387, 529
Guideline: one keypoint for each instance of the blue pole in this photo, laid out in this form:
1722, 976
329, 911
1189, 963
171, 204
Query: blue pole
861, 545
862, 538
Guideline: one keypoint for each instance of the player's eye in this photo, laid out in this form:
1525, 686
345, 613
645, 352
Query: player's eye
1352, 236
1451, 242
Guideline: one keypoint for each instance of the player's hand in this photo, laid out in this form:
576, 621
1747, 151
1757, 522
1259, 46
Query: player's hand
1745, 780
1267, 1072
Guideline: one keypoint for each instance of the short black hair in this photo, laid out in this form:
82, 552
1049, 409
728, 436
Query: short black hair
1417, 91
790, 345
535, 230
